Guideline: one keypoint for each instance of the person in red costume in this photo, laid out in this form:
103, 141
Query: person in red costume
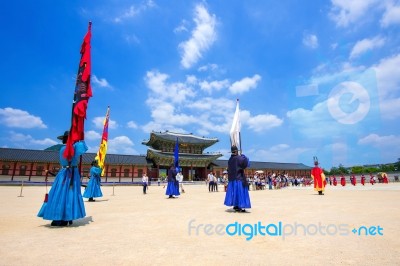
385, 179
372, 179
353, 180
362, 180
317, 174
342, 180
334, 181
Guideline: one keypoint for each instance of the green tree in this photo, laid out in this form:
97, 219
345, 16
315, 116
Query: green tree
357, 169
342, 169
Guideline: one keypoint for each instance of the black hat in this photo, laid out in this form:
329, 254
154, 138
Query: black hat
94, 162
315, 160
234, 149
66, 133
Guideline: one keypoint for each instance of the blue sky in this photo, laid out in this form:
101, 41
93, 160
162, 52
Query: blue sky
314, 78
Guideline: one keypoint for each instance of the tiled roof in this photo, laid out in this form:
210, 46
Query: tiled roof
44, 156
51, 156
182, 138
185, 155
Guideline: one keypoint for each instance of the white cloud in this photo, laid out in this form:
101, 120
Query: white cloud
191, 80
391, 15
245, 84
207, 67
306, 120
132, 39
388, 74
310, 41
92, 135
155, 126
172, 92
132, 124
278, 153
17, 118
27, 141
99, 122
134, 11
182, 27
120, 145
216, 85
260, 123
102, 83
279, 147
203, 36
365, 45
380, 141
390, 109
345, 12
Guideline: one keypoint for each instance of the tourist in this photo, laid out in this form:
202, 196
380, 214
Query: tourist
237, 195
210, 181
225, 181
215, 183
269, 181
179, 178
65, 202
93, 187
145, 182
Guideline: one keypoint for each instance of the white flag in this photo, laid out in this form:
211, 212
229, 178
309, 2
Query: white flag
235, 129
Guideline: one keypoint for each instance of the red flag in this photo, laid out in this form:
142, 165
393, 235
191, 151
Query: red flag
82, 93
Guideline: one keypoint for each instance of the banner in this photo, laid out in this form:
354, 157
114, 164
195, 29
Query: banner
101, 154
235, 129
82, 93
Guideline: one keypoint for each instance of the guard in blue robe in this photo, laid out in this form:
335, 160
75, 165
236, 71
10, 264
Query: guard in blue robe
65, 202
173, 184
93, 189
237, 193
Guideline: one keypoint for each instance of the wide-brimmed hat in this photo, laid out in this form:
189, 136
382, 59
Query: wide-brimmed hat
66, 133
234, 149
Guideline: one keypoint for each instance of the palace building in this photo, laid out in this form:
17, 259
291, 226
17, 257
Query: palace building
192, 159
30, 165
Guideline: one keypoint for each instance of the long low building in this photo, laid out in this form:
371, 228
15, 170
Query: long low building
194, 162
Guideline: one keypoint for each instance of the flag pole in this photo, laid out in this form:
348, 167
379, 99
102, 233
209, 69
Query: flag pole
240, 135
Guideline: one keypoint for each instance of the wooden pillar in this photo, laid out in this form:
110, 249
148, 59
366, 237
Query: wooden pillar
191, 172
106, 172
30, 172
13, 173
133, 171
120, 172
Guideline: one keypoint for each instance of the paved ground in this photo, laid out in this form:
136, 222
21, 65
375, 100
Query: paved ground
126, 227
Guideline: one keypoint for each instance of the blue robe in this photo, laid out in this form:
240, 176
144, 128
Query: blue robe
173, 184
93, 188
65, 201
237, 193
